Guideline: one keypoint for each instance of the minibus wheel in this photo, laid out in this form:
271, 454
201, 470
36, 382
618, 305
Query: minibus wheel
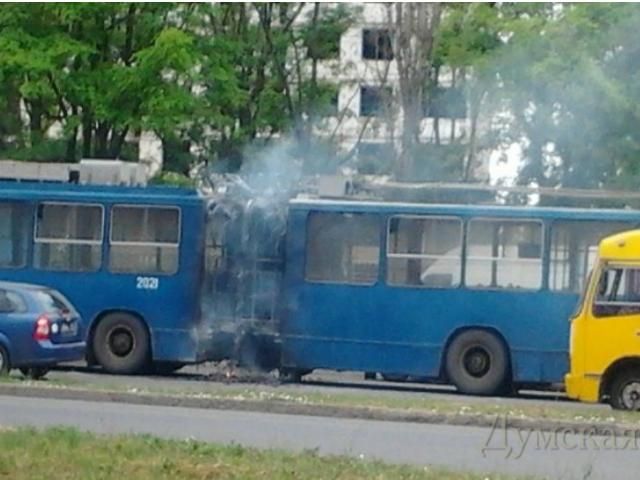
477, 363
121, 344
625, 391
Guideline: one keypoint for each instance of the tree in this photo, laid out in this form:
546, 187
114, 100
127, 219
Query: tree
415, 29
105, 70
567, 83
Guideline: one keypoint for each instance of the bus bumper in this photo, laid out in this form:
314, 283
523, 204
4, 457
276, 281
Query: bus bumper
582, 387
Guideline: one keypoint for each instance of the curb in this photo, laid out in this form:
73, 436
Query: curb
501, 422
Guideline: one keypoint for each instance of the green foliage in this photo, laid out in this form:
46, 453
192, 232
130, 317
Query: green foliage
571, 89
174, 179
211, 79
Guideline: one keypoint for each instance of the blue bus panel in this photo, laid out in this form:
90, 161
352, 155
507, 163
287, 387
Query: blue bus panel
393, 294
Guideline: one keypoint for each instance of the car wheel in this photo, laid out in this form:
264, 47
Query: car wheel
121, 344
625, 391
5, 364
34, 373
477, 363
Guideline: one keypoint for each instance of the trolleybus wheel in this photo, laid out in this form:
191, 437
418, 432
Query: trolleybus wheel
477, 363
625, 391
121, 344
5, 364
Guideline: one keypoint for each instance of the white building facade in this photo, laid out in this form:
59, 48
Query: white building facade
368, 116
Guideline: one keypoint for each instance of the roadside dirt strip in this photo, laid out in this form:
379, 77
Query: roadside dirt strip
324, 410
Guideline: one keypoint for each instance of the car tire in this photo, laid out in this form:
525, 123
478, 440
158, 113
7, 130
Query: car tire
5, 363
477, 363
121, 344
624, 393
34, 373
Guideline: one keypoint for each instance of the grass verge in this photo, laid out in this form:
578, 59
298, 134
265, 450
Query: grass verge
427, 404
62, 453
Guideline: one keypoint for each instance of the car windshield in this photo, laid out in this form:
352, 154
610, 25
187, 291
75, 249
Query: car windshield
52, 301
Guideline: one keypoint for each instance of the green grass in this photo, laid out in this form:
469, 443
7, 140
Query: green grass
57, 453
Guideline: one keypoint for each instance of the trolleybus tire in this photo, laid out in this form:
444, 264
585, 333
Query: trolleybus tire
477, 363
5, 363
624, 393
121, 344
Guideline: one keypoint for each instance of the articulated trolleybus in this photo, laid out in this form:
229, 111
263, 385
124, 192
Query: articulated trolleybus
129, 259
478, 296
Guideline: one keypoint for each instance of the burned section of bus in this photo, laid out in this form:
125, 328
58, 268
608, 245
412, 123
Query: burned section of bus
244, 262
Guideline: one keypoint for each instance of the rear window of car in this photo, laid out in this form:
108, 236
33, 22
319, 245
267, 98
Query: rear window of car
52, 301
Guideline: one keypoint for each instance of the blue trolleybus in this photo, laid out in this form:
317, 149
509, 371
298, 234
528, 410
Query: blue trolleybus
129, 259
475, 296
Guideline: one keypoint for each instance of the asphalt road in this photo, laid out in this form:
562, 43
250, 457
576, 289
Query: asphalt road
564, 455
328, 382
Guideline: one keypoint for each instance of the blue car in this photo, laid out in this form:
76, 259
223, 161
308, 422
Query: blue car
38, 329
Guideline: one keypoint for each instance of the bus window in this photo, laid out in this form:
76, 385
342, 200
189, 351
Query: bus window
618, 292
504, 254
68, 237
342, 248
144, 239
574, 245
424, 251
14, 235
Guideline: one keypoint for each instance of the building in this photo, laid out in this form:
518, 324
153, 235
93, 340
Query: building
367, 117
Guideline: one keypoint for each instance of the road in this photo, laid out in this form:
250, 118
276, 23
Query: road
327, 382
565, 455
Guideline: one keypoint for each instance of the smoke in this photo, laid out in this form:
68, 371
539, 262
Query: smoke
563, 89
246, 226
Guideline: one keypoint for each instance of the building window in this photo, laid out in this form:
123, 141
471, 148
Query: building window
14, 234
504, 254
444, 102
373, 100
574, 246
423, 251
342, 248
144, 239
377, 44
68, 237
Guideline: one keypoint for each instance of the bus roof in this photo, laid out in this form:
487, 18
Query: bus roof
389, 207
621, 246
100, 193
